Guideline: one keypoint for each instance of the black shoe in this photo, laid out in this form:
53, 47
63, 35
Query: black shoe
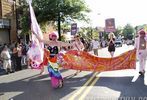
7, 72
12, 71
141, 73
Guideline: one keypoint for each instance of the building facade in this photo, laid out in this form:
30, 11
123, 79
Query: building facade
8, 26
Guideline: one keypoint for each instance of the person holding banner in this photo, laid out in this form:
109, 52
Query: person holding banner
141, 47
77, 45
36, 51
111, 44
53, 46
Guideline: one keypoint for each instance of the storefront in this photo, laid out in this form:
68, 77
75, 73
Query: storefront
4, 31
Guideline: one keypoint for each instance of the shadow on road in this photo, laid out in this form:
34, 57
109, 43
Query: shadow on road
124, 86
38, 87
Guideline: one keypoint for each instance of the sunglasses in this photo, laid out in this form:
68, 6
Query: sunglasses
54, 36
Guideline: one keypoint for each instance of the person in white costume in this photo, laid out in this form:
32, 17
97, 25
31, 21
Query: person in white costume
141, 47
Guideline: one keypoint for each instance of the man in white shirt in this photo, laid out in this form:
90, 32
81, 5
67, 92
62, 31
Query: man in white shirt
5, 55
95, 46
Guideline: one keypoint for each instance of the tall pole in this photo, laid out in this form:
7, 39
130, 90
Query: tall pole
60, 2
59, 25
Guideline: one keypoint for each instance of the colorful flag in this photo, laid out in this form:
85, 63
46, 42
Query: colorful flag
36, 50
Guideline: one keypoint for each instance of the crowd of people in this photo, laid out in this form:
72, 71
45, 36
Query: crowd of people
13, 57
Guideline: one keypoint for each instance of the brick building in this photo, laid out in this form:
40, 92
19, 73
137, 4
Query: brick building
8, 29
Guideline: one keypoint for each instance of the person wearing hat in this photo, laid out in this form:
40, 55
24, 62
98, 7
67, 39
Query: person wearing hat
141, 47
53, 45
77, 45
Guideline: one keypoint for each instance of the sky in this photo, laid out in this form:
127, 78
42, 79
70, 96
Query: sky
132, 12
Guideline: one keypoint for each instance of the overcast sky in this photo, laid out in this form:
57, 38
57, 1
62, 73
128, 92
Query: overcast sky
133, 12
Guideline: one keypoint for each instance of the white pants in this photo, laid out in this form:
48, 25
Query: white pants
7, 64
142, 55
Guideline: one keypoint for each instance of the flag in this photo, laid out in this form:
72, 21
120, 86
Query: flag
36, 51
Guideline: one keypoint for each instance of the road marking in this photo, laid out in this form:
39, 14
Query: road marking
88, 89
83, 87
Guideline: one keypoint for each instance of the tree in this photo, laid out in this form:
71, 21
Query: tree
119, 31
48, 11
128, 31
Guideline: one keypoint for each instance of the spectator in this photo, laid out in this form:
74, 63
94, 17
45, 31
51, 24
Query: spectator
95, 46
6, 58
24, 54
17, 51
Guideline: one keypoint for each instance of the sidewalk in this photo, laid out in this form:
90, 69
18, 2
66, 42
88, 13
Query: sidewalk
2, 71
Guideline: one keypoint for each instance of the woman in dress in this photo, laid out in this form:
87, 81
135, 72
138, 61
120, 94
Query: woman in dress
111, 44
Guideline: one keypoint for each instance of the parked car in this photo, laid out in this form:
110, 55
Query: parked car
130, 42
118, 43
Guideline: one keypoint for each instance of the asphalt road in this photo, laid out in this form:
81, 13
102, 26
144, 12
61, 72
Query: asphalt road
29, 85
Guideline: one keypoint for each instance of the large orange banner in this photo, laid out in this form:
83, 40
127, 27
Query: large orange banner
84, 61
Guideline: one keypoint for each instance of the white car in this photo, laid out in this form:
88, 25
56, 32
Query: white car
130, 42
118, 43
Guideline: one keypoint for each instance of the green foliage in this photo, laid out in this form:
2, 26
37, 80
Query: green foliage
48, 10
89, 33
105, 35
128, 31
119, 31
63, 38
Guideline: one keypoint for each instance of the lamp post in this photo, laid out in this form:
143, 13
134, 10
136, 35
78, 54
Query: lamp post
60, 2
